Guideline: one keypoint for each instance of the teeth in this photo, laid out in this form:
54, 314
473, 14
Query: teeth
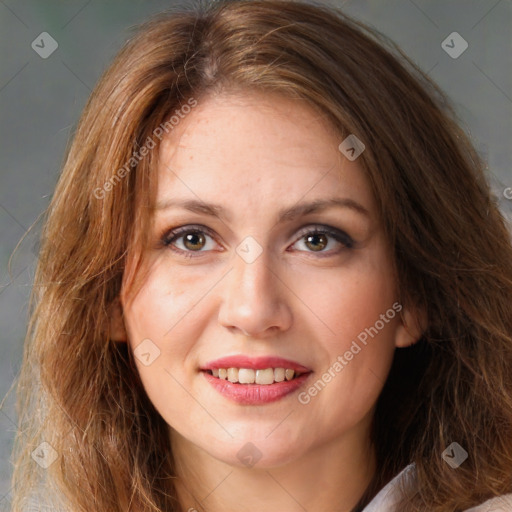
233, 374
265, 376
246, 376
279, 374
249, 376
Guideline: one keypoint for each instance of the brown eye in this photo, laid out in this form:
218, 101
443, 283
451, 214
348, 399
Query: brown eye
317, 242
194, 241
187, 240
324, 240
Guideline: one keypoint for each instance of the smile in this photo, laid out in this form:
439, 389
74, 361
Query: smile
255, 381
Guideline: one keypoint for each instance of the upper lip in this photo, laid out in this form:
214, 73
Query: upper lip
255, 363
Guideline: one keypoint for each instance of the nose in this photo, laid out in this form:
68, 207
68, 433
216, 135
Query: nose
255, 299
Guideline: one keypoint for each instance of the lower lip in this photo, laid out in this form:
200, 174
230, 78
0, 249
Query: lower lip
255, 394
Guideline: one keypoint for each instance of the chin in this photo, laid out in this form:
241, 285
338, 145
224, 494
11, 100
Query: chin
257, 454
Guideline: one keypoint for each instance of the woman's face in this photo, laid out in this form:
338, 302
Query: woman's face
246, 289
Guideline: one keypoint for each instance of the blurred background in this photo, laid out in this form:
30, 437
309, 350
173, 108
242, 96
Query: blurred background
53, 52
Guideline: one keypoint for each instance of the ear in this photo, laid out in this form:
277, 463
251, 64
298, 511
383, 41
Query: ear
413, 324
117, 327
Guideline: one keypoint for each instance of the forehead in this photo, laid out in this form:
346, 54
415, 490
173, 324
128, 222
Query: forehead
256, 148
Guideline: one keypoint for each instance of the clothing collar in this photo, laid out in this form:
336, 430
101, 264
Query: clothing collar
390, 494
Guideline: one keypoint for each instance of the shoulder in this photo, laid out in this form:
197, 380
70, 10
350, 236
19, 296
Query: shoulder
390, 494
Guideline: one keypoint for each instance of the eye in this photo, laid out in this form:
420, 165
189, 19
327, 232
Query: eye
188, 239
321, 237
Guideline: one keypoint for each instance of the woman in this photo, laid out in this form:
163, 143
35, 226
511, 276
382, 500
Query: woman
274, 279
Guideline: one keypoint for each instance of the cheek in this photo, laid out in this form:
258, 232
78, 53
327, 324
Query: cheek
351, 298
359, 317
165, 303
164, 320
348, 384
153, 321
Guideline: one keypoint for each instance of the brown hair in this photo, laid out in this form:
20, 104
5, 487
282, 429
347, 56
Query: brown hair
451, 249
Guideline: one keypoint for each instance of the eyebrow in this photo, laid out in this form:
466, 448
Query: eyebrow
284, 215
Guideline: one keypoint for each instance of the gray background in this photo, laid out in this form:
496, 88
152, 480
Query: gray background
41, 99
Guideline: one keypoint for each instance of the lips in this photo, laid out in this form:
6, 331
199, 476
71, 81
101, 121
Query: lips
255, 381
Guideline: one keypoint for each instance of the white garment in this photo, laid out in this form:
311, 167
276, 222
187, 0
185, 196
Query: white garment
389, 496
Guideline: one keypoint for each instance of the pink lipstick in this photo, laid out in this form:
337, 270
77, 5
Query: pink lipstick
255, 381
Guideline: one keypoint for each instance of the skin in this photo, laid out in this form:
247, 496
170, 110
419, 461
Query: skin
255, 154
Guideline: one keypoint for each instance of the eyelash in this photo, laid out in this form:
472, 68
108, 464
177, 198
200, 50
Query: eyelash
171, 236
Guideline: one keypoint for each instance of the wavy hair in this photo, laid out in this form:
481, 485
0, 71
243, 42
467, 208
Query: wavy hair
80, 391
